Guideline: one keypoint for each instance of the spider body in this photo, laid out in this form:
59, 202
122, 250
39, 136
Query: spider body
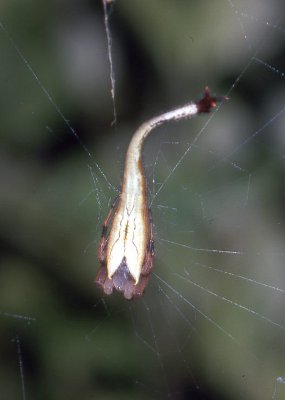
126, 249
126, 254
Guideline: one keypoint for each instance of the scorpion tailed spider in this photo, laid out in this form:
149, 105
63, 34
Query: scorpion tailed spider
126, 249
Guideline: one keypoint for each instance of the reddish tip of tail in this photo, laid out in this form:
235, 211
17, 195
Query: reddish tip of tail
208, 102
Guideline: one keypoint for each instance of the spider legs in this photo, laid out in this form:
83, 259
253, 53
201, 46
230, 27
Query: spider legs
148, 261
122, 280
102, 277
104, 239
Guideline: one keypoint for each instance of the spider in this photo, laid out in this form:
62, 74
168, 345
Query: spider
126, 248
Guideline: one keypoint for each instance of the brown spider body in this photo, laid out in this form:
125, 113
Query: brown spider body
126, 251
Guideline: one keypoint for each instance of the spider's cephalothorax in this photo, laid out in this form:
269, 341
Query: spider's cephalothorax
126, 253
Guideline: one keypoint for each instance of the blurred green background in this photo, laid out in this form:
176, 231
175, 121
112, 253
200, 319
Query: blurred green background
206, 328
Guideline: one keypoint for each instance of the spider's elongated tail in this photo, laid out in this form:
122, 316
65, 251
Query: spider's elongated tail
208, 102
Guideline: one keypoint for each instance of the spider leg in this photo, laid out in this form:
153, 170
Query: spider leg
148, 261
101, 277
138, 290
104, 236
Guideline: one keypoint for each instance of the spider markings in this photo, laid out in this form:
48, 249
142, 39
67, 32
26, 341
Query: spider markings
126, 250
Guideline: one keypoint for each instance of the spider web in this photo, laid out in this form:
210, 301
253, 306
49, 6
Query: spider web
211, 324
